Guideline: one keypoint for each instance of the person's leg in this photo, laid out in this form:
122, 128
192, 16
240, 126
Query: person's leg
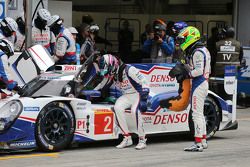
121, 104
135, 100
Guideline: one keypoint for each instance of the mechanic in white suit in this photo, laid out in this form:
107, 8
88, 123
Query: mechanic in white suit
199, 64
65, 50
41, 33
8, 28
134, 88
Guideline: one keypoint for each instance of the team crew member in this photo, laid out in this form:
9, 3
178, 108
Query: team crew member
229, 52
199, 63
134, 89
89, 47
40, 31
7, 32
20, 43
65, 50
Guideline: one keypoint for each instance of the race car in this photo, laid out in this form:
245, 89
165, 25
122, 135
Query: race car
60, 107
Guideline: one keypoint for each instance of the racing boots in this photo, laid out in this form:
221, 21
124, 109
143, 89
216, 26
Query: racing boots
126, 142
141, 144
204, 143
196, 147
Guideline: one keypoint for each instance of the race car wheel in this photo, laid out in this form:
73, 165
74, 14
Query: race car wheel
55, 127
212, 117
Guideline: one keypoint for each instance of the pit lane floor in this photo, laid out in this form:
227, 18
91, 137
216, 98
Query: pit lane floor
226, 148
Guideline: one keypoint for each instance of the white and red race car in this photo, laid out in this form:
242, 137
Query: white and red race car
39, 116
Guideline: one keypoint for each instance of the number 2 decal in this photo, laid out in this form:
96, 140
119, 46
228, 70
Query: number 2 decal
107, 128
104, 123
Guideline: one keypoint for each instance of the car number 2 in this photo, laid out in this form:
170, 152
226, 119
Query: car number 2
104, 123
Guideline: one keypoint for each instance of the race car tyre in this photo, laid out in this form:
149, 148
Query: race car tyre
55, 127
212, 117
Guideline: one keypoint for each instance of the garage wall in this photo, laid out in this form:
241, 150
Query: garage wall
244, 22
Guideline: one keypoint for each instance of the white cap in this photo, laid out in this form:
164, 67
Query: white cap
44, 14
73, 30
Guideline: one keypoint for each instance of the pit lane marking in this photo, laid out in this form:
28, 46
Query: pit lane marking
53, 155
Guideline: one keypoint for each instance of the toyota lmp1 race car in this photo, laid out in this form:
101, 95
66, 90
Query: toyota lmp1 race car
42, 115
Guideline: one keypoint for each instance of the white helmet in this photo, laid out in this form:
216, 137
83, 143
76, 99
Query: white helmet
94, 28
54, 19
10, 23
44, 14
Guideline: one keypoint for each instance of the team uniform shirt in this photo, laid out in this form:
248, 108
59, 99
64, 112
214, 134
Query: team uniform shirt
87, 48
45, 38
65, 48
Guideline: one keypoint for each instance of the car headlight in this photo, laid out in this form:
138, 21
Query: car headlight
9, 113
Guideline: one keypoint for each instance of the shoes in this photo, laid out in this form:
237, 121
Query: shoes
204, 143
126, 142
196, 147
141, 144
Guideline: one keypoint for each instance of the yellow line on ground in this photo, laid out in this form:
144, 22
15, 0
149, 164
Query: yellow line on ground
54, 155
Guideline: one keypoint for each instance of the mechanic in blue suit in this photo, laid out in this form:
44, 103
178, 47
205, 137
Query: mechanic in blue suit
199, 65
159, 46
134, 89
8, 28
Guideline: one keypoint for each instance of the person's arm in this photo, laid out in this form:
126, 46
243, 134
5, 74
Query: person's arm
60, 47
147, 46
198, 64
168, 46
135, 74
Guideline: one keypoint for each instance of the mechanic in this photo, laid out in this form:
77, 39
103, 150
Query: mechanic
19, 45
134, 90
229, 51
65, 50
8, 29
40, 31
89, 47
159, 45
199, 65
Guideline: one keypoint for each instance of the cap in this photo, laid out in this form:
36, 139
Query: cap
73, 30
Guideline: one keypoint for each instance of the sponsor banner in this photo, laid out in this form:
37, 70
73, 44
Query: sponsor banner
31, 108
229, 79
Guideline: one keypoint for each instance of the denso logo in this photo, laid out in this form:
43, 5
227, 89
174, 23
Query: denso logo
170, 118
161, 78
69, 68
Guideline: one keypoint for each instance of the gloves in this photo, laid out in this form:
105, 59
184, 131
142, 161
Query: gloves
11, 85
180, 71
144, 97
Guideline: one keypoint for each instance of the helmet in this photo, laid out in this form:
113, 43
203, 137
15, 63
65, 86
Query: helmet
94, 28
108, 64
159, 25
228, 31
55, 23
178, 26
8, 26
7, 47
187, 37
44, 14
55, 19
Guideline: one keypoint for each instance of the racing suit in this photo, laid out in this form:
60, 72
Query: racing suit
160, 52
65, 49
132, 87
200, 70
43, 37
